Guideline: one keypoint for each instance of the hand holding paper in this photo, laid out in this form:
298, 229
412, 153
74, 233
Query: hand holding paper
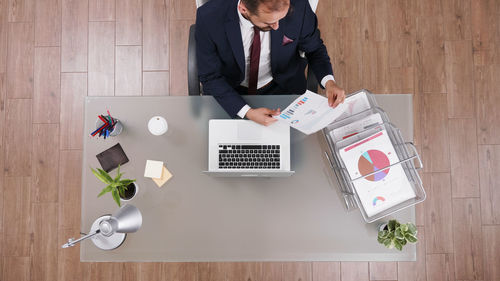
310, 113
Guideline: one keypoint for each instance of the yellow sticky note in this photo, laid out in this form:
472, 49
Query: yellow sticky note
165, 176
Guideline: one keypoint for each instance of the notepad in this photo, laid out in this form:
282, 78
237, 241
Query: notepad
165, 176
153, 169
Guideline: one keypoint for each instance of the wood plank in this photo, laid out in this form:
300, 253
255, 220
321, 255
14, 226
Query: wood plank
211, 271
271, 271
69, 266
110, 271
457, 19
47, 88
21, 10
326, 271
150, 271
346, 8
130, 271
70, 186
491, 244
383, 270
436, 153
20, 61
101, 10
45, 246
74, 35
347, 54
297, 271
376, 66
178, 271
430, 57
45, 162
486, 85
440, 267
420, 208
179, 36
489, 165
415, 271
459, 85
463, 158
17, 205
155, 48
3, 101
243, 271
19, 268
485, 25
129, 22
439, 230
17, 138
101, 72
4, 32
183, 10
73, 92
467, 241
155, 83
19, 245
375, 20
128, 81
354, 271
48, 22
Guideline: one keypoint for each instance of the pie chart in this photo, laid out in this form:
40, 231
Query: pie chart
372, 161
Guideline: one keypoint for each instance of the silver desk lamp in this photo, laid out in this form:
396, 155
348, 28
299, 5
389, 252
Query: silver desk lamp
109, 232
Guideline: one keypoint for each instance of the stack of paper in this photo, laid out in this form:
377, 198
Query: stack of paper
157, 172
386, 187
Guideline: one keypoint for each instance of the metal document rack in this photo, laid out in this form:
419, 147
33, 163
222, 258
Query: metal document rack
405, 151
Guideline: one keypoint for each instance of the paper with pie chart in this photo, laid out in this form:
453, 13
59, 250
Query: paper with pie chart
383, 186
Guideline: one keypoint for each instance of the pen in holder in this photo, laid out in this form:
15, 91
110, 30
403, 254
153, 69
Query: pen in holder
107, 126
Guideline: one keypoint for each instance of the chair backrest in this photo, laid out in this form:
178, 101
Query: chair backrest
313, 3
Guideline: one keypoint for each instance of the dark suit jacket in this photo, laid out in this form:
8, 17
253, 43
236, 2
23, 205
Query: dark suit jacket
220, 55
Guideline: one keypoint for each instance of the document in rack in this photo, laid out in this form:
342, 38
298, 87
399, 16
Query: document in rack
355, 127
310, 113
384, 189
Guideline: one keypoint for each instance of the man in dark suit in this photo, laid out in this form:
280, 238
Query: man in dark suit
252, 47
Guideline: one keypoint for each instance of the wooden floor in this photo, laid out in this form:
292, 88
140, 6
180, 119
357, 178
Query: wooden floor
55, 52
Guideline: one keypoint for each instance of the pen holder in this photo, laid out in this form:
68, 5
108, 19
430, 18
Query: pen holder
118, 128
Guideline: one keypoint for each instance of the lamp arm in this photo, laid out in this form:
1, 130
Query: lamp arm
72, 242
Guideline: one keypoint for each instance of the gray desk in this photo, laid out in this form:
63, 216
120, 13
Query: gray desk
198, 218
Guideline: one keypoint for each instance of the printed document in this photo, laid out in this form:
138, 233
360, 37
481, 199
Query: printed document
385, 188
355, 127
310, 113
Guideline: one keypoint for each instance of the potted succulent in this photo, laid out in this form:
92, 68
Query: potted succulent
394, 234
124, 189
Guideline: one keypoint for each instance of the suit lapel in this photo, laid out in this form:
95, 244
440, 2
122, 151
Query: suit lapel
276, 41
233, 33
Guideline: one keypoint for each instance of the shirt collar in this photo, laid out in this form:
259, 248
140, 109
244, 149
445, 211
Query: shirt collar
243, 21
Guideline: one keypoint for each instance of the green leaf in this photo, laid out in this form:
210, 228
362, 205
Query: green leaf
105, 175
122, 191
105, 190
380, 240
116, 197
398, 245
411, 238
398, 234
412, 228
100, 176
391, 225
404, 227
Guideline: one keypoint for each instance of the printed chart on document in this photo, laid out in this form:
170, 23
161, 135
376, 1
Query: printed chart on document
387, 187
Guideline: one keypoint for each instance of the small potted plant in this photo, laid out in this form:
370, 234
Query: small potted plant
393, 234
124, 189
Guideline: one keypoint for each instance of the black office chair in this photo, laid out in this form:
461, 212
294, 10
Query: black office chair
194, 86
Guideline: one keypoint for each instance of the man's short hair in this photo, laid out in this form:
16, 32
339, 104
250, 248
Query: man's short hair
273, 5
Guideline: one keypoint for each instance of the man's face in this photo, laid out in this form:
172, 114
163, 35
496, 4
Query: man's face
265, 19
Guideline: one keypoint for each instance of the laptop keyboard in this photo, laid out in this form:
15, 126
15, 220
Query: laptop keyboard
236, 156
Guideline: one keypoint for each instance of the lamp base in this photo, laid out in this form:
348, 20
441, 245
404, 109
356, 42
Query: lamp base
106, 243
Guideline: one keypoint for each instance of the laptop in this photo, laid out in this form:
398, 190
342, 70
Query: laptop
243, 148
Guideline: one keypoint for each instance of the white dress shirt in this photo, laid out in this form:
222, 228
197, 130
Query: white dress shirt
265, 73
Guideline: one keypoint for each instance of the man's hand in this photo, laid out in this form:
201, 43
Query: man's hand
263, 115
334, 93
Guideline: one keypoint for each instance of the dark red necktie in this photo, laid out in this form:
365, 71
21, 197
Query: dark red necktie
254, 62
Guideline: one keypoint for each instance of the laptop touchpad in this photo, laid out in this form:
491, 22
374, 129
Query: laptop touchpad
249, 131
